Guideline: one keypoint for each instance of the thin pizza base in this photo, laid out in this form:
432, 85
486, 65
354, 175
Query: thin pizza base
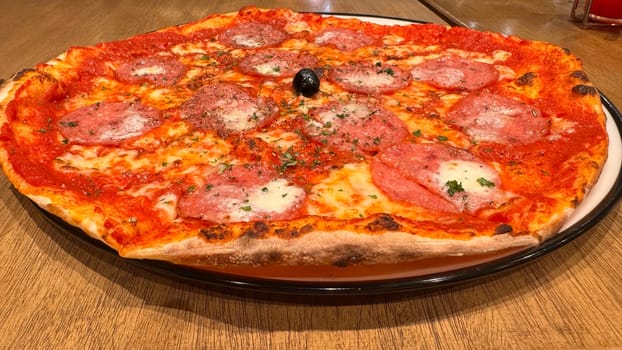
315, 247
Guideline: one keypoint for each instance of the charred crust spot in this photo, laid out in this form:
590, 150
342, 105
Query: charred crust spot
19, 74
574, 202
567, 51
384, 222
214, 233
306, 229
579, 74
252, 144
349, 256
280, 232
258, 230
584, 90
526, 79
294, 231
503, 229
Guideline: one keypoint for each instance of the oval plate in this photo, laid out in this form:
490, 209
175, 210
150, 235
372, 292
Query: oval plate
401, 277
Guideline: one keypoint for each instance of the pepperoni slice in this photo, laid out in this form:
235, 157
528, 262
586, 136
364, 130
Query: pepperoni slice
252, 35
240, 193
366, 78
437, 177
227, 108
343, 39
356, 125
276, 63
160, 71
456, 73
488, 117
109, 123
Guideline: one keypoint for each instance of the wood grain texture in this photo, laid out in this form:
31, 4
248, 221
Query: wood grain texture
61, 293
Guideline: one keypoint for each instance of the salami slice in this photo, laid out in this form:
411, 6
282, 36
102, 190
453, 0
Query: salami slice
343, 39
160, 71
240, 193
227, 108
456, 73
437, 177
488, 117
276, 63
252, 35
109, 123
367, 78
355, 125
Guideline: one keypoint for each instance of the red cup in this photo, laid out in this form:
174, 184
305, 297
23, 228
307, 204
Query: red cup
607, 8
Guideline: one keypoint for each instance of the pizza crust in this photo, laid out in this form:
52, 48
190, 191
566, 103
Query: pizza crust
340, 248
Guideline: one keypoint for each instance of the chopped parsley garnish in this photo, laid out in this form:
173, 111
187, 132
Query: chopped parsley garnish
454, 187
70, 124
222, 167
442, 138
482, 181
417, 133
246, 208
288, 159
389, 71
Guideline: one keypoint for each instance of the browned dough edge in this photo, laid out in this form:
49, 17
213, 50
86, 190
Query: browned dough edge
339, 248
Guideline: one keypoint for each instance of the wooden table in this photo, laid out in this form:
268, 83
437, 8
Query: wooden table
59, 293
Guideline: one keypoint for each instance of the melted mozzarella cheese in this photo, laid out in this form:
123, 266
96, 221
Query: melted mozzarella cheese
369, 80
392, 39
239, 119
168, 205
275, 197
131, 126
193, 149
325, 37
269, 68
505, 72
474, 177
281, 140
187, 49
246, 41
87, 158
350, 193
501, 55
150, 70
351, 110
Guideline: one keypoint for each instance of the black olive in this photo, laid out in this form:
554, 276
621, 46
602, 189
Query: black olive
306, 82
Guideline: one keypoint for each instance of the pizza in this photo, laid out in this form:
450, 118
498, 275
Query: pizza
270, 137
